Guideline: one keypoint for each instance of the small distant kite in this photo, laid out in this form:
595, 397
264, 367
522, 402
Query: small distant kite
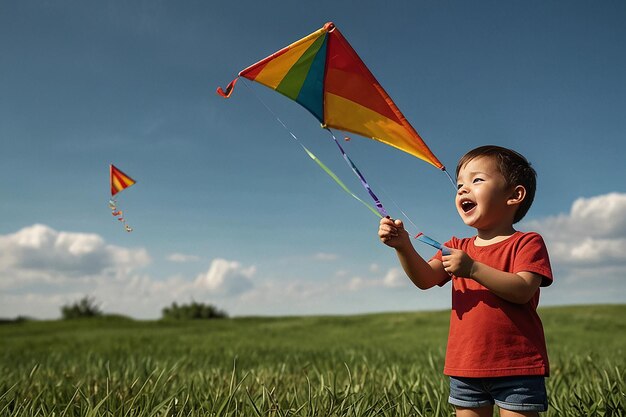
119, 182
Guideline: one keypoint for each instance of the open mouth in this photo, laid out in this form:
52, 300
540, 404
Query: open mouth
467, 205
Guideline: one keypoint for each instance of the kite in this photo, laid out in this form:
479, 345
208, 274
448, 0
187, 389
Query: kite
324, 74
119, 182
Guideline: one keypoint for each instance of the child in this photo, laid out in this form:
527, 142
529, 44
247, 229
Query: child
496, 348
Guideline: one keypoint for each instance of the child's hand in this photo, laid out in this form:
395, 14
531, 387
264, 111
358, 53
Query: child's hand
392, 233
458, 263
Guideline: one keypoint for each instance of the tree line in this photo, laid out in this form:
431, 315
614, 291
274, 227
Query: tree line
88, 307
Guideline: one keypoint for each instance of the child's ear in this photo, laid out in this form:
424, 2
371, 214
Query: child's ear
517, 195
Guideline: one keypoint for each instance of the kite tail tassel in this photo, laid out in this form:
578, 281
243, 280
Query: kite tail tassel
119, 214
364, 183
432, 242
229, 89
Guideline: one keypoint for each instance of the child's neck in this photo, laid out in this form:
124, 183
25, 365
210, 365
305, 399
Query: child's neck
491, 236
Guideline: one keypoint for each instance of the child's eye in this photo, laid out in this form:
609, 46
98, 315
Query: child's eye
477, 180
459, 186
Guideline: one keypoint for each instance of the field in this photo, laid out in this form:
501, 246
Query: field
369, 365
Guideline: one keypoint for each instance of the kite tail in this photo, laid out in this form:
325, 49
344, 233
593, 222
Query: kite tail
229, 89
432, 242
116, 212
338, 181
379, 205
327, 170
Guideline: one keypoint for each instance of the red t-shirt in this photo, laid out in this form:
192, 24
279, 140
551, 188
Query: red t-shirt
489, 336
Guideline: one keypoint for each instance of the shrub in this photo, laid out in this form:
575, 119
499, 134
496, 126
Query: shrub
192, 311
18, 319
85, 307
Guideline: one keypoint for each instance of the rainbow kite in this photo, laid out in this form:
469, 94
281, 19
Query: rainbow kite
119, 182
325, 75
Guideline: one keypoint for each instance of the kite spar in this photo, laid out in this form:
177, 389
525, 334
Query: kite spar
119, 182
324, 74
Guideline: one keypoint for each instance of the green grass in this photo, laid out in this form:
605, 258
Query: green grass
369, 365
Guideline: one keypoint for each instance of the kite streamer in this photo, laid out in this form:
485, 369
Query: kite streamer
119, 182
327, 170
379, 205
432, 242
119, 214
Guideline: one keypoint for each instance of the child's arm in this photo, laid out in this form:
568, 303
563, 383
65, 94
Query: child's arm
517, 288
423, 274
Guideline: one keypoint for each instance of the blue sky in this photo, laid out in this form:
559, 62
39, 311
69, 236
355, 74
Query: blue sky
228, 210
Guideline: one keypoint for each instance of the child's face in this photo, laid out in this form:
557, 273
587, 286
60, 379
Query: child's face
482, 195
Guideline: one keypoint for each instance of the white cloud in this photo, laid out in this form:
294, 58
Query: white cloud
587, 249
395, 278
42, 269
326, 257
182, 258
602, 216
358, 283
40, 254
342, 273
284, 297
592, 233
226, 277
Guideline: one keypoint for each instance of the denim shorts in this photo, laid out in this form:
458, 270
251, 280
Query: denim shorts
516, 393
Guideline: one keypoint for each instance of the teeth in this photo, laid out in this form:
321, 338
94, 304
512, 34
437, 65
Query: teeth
467, 205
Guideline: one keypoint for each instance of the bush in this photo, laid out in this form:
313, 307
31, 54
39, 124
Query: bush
192, 311
18, 319
85, 307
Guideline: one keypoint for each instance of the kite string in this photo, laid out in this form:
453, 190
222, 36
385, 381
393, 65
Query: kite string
450, 178
313, 157
416, 235
269, 109
379, 210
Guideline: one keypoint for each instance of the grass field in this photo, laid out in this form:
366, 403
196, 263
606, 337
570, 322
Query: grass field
369, 365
